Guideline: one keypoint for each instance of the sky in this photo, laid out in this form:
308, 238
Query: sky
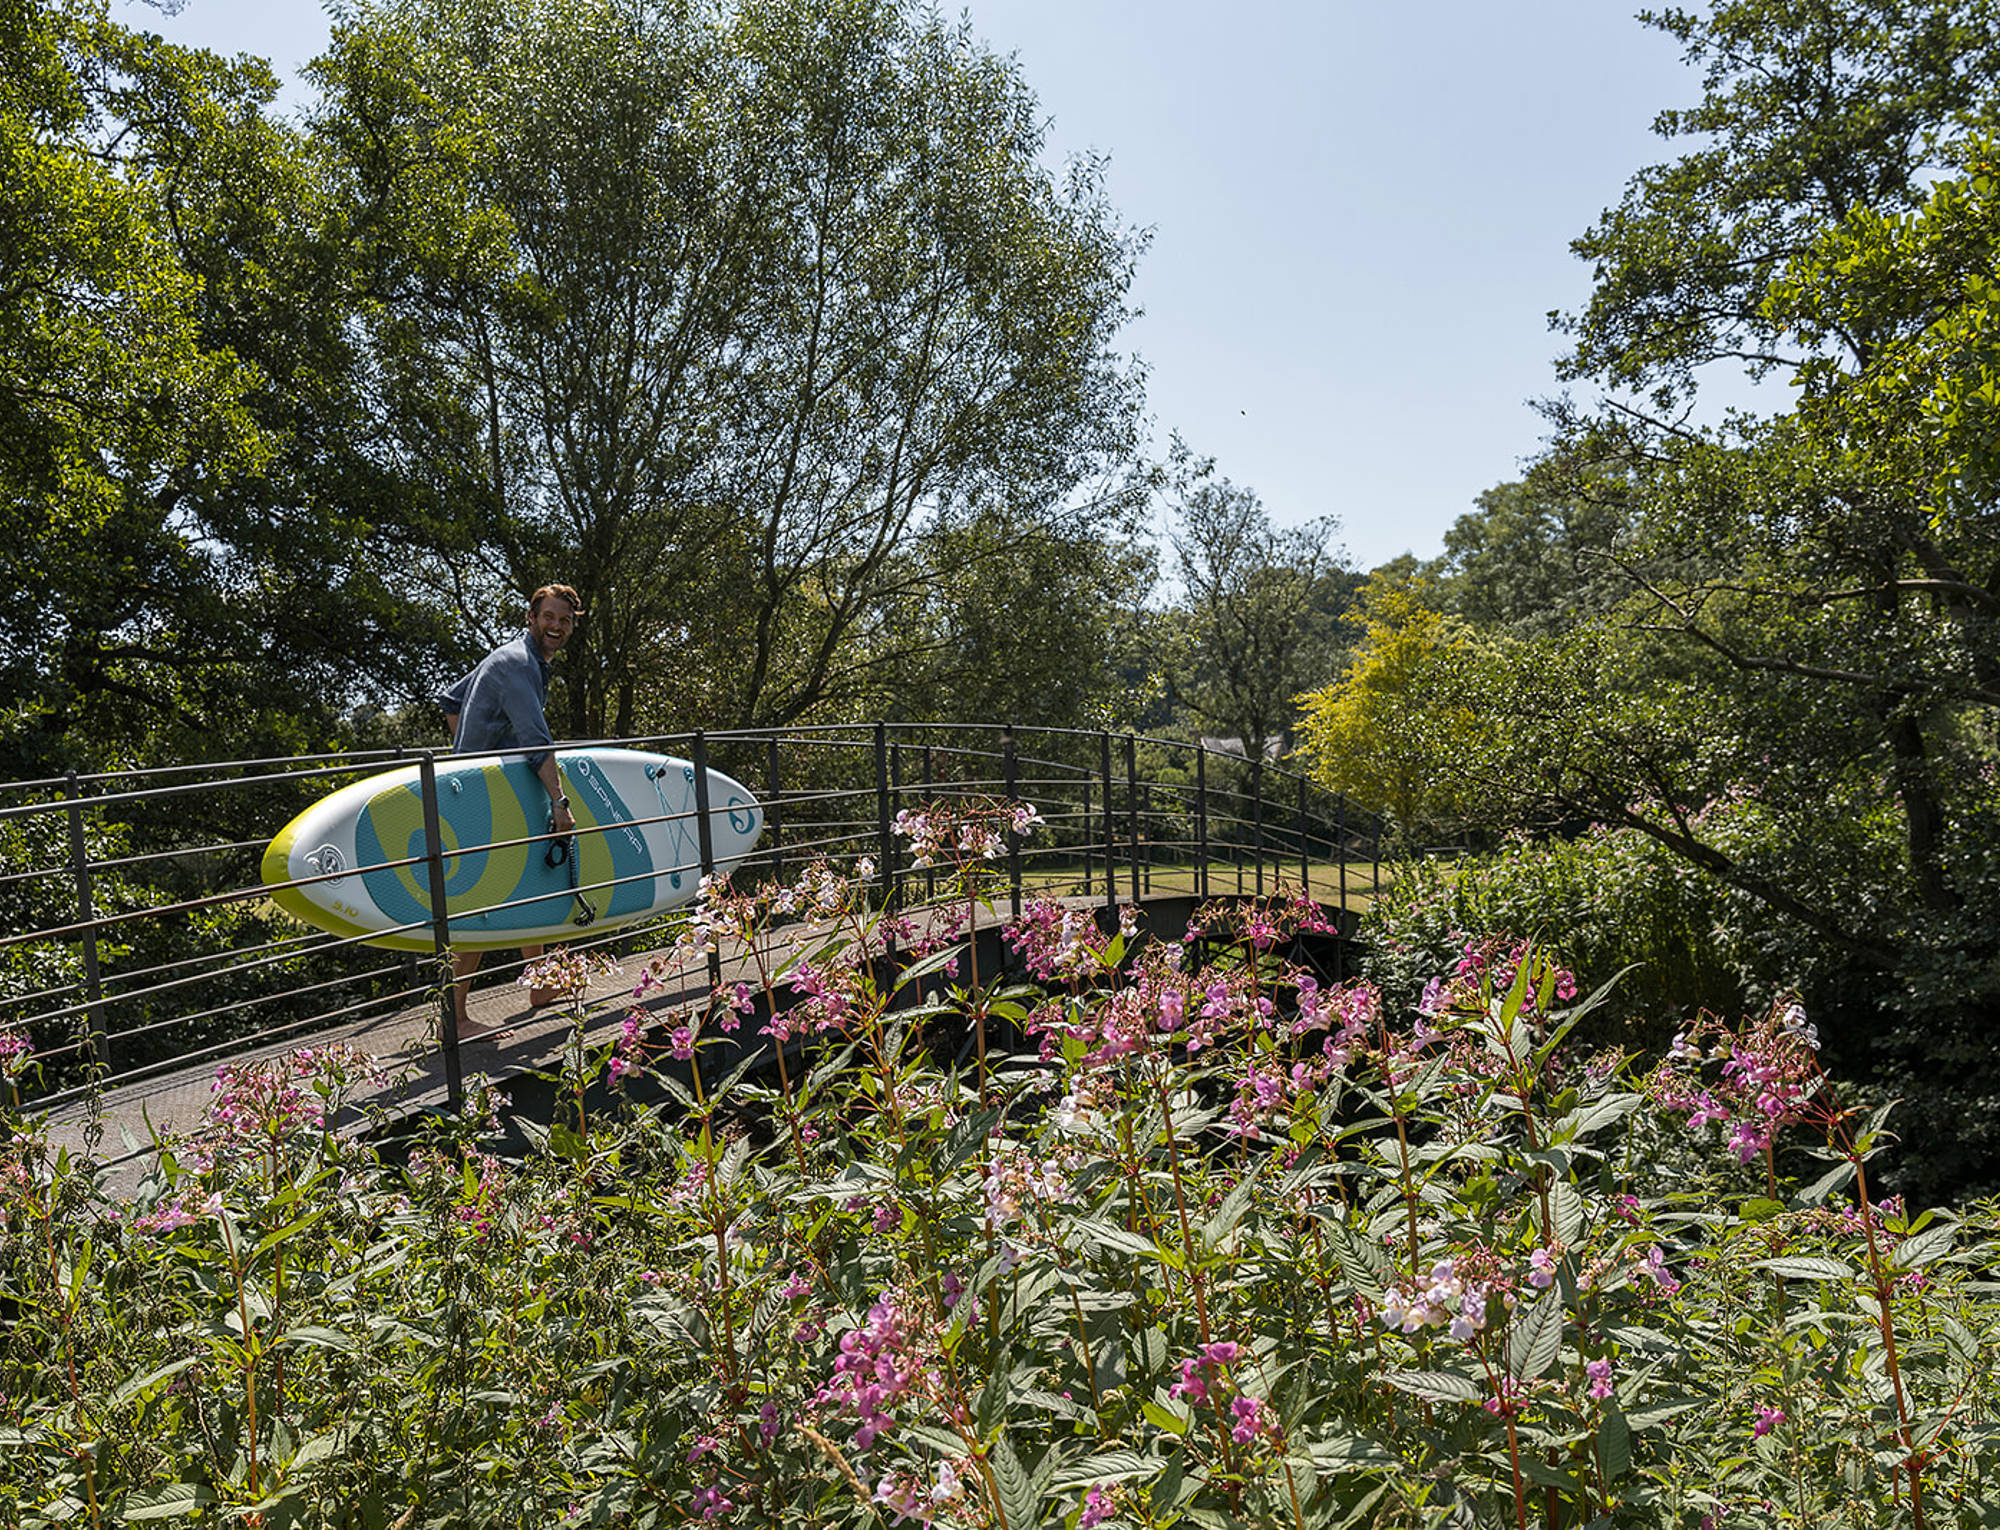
1359, 212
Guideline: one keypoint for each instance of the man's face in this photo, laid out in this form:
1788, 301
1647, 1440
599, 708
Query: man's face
551, 623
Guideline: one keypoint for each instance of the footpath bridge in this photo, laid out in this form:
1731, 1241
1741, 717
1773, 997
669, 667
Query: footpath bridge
141, 951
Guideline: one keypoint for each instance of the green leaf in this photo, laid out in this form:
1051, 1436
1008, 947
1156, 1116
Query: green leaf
1803, 1267
1163, 1418
1932, 1243
1539, 1472
1018, 1499
146, 1384
965, 1138
322, 1338
1110, 1236
1639, 1420
1346, 1451
1536, 1338
1437, 1386
1107, 1466
1614, 1443
1218, 1227
320, 1447
271, 1240
1834, 1179
174, 1500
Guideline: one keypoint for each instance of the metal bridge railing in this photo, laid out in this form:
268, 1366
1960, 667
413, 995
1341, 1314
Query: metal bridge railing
139, 937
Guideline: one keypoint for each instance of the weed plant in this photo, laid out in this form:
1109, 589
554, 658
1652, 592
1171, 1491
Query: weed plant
1221, 1245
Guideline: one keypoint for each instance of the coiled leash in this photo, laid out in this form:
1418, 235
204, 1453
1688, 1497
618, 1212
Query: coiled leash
565, 852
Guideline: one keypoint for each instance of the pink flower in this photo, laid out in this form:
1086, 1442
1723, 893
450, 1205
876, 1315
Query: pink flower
1599, 1372
1541, 1269
1767, 1420
1097, 1508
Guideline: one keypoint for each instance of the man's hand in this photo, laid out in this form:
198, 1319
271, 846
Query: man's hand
562, 820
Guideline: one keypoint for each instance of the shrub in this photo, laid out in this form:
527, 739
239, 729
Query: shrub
1225, 1246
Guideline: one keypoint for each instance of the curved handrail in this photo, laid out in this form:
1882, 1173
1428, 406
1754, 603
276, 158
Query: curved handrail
134, 947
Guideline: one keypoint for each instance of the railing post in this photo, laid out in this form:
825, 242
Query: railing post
885, 841
1305, 858
1087, 856
1257, 819
1013, 768
1132, 810
930, 791
1110, 866
86, 913
454, 1083
704, 835
774, 809
1201, 817
1152, 829
1340, 834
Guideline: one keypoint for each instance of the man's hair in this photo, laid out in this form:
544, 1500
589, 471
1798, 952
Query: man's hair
559, 592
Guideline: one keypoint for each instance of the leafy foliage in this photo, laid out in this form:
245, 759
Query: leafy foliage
1230, 1245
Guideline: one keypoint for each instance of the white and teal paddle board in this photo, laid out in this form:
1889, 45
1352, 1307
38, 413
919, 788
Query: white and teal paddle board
637, 849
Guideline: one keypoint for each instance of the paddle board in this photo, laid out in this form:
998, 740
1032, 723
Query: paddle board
637, 849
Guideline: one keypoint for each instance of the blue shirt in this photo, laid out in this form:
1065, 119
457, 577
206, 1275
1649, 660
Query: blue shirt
503, 703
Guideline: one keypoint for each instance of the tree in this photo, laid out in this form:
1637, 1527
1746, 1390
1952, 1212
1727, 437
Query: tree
1799, 697
1261, 606
796, 291
1531, 563
203, 474
1384, 734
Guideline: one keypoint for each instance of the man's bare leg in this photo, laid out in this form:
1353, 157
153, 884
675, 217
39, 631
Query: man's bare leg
463, 965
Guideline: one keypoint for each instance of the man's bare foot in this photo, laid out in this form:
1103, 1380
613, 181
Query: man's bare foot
483, 1033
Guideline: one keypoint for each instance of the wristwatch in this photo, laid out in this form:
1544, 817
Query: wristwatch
562, 801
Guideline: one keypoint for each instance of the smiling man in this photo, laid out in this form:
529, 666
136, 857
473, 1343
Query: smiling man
503, 704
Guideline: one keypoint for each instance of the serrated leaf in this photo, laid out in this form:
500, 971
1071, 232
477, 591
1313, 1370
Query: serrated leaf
1229, 1213
965, 1137
1110, 1236
1570, 1212
149, 1381
1108, 1466
1437, 1386
1347, 1450
1599, 1113
321, 1338
1614, 1444
320, 1448
1018, 1499
1834, 1179
174, 1500
1536, 1338
1363, 1266
1539, 1472
1804, 1267
1932, 1243
1639, 1420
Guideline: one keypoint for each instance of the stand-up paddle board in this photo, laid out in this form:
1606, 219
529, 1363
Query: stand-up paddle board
636, 850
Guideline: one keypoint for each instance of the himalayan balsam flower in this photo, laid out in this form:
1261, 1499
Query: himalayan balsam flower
1767, 1420
1599, 1372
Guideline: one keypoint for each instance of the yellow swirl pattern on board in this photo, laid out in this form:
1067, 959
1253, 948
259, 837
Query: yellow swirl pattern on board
398, 817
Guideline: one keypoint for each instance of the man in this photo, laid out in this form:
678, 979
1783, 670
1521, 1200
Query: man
503, 704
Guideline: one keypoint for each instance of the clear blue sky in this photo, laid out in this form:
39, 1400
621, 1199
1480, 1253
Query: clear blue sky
1360, 214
